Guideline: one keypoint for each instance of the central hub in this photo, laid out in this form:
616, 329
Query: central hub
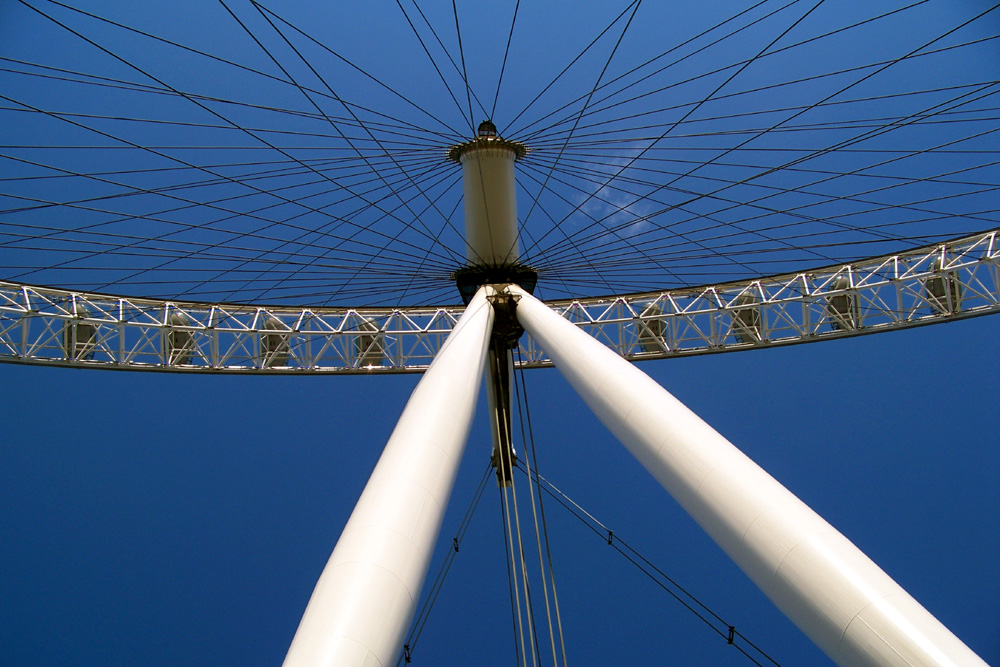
488, 190
471, 278
491, 233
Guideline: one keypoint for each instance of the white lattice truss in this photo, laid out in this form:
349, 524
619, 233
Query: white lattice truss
948, 281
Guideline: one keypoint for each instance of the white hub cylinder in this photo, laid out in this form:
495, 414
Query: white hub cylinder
490, 200
832, 591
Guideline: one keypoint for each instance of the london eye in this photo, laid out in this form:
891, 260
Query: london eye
205, 191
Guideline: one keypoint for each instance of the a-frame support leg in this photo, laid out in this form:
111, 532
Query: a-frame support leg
364, 600
831, 590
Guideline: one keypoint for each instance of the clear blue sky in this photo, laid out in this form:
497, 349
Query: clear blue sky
159, 519
163, 519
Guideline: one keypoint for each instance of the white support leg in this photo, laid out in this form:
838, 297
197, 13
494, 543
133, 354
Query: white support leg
364, 600
834, 593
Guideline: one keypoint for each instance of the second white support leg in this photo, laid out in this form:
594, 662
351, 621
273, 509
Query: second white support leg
835, 594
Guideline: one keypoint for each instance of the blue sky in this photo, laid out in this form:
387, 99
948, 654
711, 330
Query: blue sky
161, 519
164, 519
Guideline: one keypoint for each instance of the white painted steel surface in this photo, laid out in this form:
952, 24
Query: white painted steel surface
490, 203
364, 600
834, 593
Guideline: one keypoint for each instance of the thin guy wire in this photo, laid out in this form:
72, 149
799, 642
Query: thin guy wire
424, 614
512, 572
615, 541
529, 437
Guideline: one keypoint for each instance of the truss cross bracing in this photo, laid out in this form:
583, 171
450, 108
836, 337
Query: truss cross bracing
942, 282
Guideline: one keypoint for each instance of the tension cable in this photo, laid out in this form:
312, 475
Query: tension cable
425, 611
713, 620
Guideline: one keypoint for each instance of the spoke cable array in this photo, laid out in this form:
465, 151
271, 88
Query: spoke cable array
664, 174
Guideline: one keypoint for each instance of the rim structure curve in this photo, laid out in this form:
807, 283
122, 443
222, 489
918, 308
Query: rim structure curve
925, 286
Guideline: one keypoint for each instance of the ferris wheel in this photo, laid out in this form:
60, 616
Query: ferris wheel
246, 189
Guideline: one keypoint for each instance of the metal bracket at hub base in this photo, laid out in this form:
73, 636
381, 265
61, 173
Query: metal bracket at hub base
506, 332
506, 329
471, 277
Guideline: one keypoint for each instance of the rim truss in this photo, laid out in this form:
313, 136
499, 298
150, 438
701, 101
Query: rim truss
933, 284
